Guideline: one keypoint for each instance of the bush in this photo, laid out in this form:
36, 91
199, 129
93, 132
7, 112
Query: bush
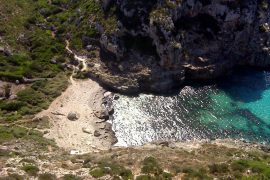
166, 176
71, 177
11, 106
31, 170
219, 168
31, 96
240, 166
144, 177
151, 166
5, 135
195, 174
47, 176
13, 177
98, 172
19, 132
112, 169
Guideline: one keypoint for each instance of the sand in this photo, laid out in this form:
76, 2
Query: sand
82, 97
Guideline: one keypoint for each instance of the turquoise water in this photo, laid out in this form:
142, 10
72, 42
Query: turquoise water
237, 107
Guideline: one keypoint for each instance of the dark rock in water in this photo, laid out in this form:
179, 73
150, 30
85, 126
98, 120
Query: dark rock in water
73, 116
111, 111
116, 97
159, 46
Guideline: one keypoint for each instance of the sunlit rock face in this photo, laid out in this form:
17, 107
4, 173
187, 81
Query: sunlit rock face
173, 41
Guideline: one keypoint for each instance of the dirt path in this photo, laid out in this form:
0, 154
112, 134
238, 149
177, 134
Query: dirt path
81, 59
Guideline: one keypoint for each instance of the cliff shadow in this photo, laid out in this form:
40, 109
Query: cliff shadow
245, 84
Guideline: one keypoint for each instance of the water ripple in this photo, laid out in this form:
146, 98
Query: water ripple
212, 112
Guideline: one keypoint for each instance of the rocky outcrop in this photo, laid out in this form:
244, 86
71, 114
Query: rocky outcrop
5, 51
158, 44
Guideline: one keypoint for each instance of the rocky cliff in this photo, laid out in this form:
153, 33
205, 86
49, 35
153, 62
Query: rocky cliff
158, 44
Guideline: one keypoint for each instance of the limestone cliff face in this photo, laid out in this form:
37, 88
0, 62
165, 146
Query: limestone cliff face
160, 43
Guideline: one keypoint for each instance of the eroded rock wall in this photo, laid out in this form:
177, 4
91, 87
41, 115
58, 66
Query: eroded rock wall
179, 40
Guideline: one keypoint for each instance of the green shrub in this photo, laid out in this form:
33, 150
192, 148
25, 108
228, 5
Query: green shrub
98, 172
11, 106
240, 166
5, 135
218, 168
195, 174
151, 166
19, 132
71, 177
31, 170
13, 177
145, 177
47, 176
31, 96
113, 169
166, 176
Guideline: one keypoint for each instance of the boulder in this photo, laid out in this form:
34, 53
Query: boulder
5, 51
107, 94
97, 133
73, 116
89, 48
13, 97
108, 126
86, 130
102, 114
116, 97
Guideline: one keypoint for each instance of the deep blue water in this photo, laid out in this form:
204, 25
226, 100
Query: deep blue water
236, 107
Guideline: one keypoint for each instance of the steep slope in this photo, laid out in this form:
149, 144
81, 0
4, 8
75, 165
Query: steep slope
159, 44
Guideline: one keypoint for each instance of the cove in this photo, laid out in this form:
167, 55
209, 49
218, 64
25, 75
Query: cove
236, 107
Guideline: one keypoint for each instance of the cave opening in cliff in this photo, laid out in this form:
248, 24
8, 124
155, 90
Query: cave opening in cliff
142, 44
202, 23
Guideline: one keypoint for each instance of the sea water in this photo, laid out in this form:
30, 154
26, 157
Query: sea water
236, 107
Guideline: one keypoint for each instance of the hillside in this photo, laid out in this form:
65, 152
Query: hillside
50, 48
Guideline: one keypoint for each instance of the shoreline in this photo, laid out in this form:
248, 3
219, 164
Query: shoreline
90, 133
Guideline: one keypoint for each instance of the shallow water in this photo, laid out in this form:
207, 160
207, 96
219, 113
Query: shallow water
238, 107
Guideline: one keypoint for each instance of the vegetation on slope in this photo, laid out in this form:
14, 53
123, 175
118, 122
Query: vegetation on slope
146, 163
32, 45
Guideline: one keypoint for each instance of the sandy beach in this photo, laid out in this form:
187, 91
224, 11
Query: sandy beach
87, 133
